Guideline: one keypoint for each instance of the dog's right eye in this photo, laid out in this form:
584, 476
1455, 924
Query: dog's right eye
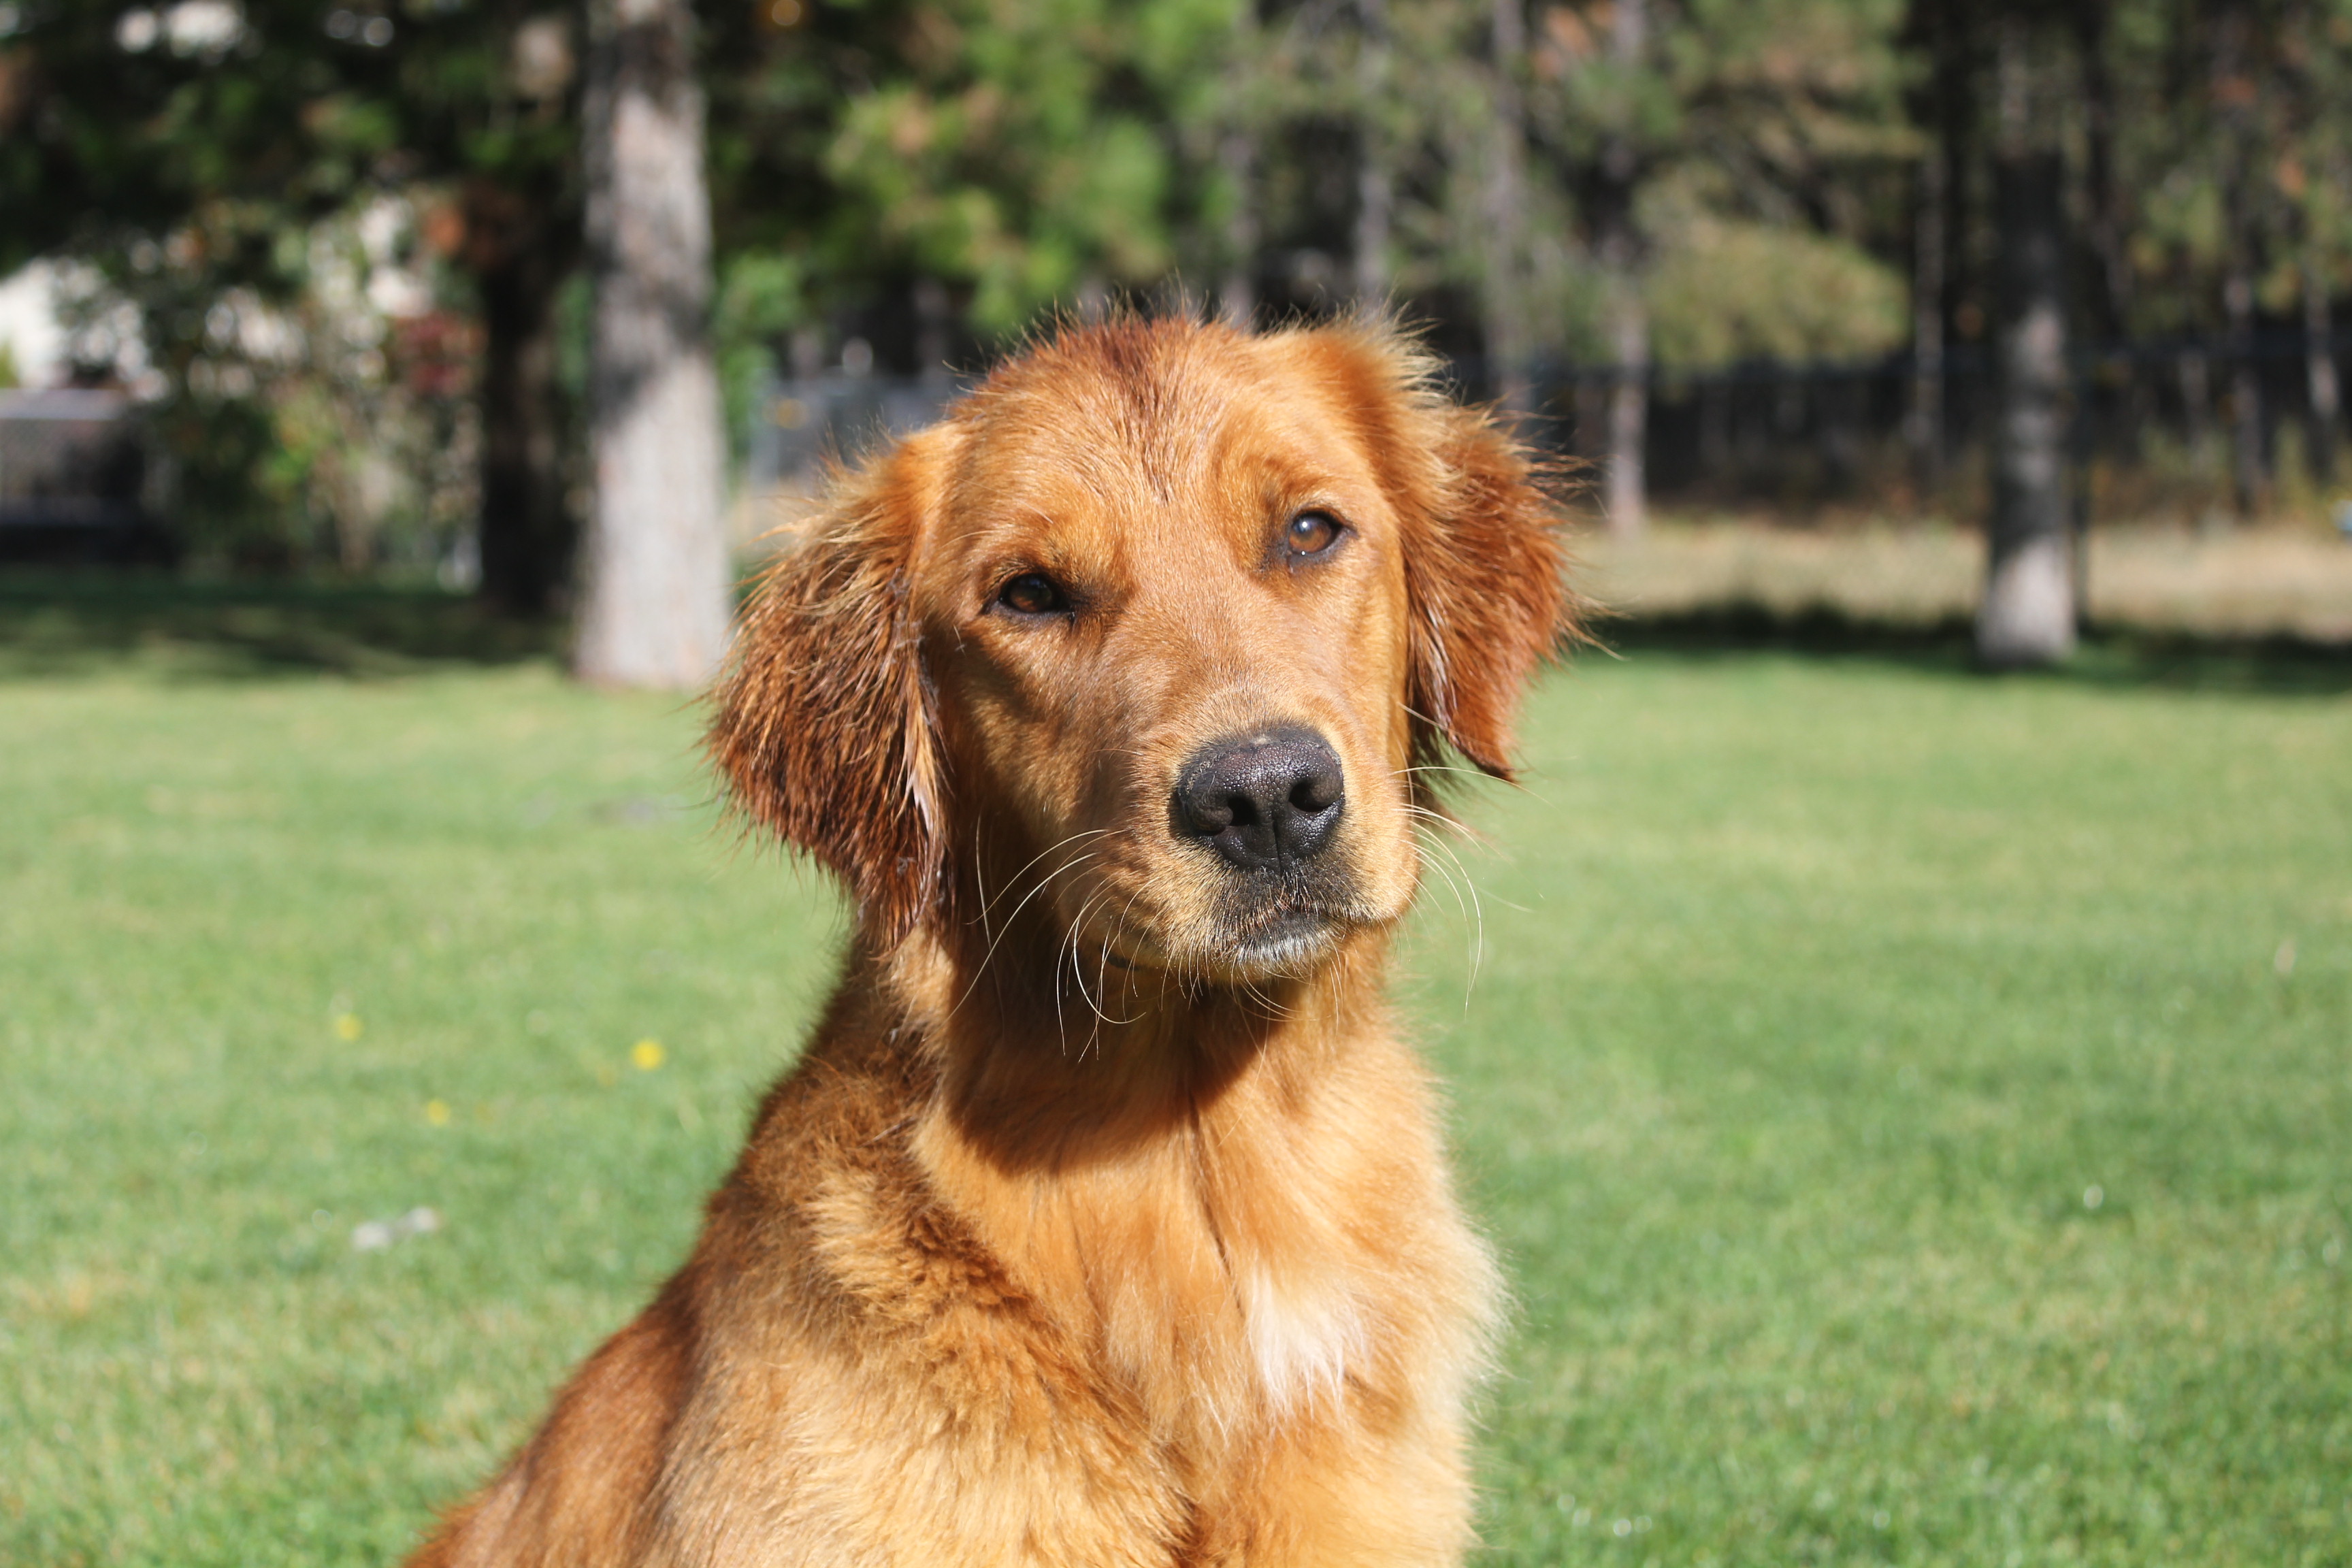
1033, 594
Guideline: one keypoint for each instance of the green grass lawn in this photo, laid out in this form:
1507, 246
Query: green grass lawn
1917, 1110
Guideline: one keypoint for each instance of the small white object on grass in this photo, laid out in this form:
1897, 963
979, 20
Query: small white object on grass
375, 1235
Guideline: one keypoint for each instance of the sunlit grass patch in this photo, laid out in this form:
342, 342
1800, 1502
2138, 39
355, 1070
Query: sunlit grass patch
1814, 1000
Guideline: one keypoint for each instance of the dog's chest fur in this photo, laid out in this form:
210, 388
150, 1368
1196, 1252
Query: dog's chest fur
1275, 1294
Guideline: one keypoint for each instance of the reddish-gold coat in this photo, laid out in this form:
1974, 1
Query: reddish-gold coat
1105, 1219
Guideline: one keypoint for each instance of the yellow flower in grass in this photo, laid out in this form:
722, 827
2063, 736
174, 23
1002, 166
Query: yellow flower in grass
437, 1111
348, 1027
647, 1055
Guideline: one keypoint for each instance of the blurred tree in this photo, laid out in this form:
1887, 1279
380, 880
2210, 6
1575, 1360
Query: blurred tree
1721, 155
2236, 89
2027, 613
654, 607
1634, 187
1941, 105
1375, 159
188, 150
964, 164
1235, 189
1509, 341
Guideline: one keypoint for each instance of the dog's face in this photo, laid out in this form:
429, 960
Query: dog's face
1160, 633
1165, 609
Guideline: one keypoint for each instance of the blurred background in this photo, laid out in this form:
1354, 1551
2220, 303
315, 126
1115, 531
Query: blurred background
1914, 1104
307, 290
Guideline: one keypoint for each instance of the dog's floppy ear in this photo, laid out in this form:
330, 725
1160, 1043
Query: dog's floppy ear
824, 722
1484, 569
1484, 561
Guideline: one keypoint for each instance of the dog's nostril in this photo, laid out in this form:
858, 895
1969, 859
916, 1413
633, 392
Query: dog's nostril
1262, 801
1319, 790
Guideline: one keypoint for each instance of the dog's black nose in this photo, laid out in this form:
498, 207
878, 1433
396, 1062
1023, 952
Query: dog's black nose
1262, 801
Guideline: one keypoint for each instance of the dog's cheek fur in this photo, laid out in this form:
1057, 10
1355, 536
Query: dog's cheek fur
824, 721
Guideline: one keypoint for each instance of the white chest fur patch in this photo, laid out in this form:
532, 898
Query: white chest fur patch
1301, 1336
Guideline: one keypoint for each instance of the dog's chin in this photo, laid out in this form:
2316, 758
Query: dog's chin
1289, 944
1292, 946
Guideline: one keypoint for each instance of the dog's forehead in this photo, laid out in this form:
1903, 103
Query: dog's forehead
1125, 438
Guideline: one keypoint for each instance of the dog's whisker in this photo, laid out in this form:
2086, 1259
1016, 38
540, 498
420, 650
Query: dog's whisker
1014, 880
1101, 973
1475, 916
981, 969
1078, 974
1479, 773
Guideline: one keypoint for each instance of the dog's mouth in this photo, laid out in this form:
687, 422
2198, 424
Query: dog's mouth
1286, 936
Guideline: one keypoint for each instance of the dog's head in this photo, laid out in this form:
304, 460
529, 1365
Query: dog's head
1163, 635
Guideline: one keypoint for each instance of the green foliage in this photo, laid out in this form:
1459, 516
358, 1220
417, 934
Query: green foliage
1013, 151
1752, 170
1755, 138
1811, 1000
217, 179
1727, 291
761, 296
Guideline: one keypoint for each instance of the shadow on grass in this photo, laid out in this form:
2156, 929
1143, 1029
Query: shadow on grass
75, 623
2119, 656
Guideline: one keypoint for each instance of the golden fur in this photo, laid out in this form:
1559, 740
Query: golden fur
1104, 1220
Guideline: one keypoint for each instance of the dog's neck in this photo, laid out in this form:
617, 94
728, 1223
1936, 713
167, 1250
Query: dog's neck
1138, 1166
1045, 1062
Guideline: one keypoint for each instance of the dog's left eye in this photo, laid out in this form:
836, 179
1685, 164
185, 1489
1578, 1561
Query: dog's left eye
1033, 594
1312, 533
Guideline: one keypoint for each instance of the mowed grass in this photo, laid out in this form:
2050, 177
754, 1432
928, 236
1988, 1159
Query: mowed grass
1915, 1110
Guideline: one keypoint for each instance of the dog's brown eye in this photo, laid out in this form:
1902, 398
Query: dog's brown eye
1033, 594
1312, 534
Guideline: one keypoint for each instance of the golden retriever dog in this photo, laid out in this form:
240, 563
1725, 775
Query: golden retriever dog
1105, 1219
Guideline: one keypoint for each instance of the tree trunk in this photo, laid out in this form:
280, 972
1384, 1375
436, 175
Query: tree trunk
655, 611
2197, 412
933, 320
2235, 90
2319, 369
519, 257
2248, 474
1505, 214
1375, 182
2028, 613
1237, 156
1629, 316
2111, 276
1629, 416
1958, 128
2116, 405
1926, 422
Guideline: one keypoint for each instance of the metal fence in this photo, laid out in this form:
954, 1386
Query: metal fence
801, 424
2178, 427
1802, 491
